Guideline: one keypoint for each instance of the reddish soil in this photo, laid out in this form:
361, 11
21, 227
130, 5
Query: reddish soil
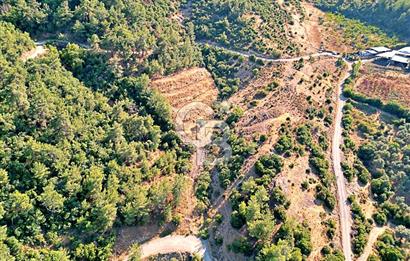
182, 88
387, 85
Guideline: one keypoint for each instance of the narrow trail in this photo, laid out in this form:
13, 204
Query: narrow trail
64, 42
344, 209
267, 58
192, 244
374, 234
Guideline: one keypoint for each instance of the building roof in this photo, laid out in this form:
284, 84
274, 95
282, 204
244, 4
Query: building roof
380, 49
387, 55
400, 59
368, 52
405, 50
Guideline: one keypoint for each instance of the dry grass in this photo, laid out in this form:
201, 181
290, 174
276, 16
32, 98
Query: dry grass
290, 97
312, 35
182, 88
304, 207
386, 85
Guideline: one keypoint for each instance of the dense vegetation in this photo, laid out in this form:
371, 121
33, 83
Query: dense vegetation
361, 227
358, 34
225, 68
391, 15
75, 162
390, 246
142, 35
381, 159
258, 206
247, 24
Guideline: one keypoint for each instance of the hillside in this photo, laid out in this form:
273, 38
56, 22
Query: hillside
72, 162
141, 34
391, 15
202, 130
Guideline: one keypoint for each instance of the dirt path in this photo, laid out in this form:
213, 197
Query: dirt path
374, 234
271, 59
64, 42
344, 210
173, 244
39, 50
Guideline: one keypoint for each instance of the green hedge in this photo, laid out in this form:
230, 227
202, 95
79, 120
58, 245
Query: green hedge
390, 107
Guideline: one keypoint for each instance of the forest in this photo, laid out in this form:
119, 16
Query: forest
87, 147
80, 154
246, 25
140, 36
391, 15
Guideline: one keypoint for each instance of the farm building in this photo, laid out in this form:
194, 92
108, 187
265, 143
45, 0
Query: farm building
374, 51
400, 57
405, 51
400, 60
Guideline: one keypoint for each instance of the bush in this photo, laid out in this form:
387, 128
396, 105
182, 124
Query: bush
305, 185
326, 196
219, 240
280, 213
219, 218
269, 165
237, 220
330, 228
284, 144
203, 233
380, 218
241, 245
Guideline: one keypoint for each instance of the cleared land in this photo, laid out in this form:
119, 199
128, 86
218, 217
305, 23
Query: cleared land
386, 85
182, 88
297, 89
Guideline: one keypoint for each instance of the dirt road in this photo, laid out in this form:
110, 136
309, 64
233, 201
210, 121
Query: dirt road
172, 244
266, 58
344, 210
374, 234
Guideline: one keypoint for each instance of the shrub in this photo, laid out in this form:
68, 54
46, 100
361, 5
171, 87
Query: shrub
237, 220
241, 245
284, 144
269, 165
219, 218
380, 218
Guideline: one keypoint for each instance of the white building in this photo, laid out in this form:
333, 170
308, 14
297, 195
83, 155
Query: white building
374, 51
399, 57
405, 51
380, 49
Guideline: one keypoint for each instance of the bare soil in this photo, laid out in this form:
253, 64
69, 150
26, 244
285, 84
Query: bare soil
312, 34
182, 88
386, 85
263, 115
38, 51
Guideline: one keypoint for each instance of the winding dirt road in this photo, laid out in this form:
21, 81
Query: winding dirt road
344, 209
194, 245
172, 244
266, 58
